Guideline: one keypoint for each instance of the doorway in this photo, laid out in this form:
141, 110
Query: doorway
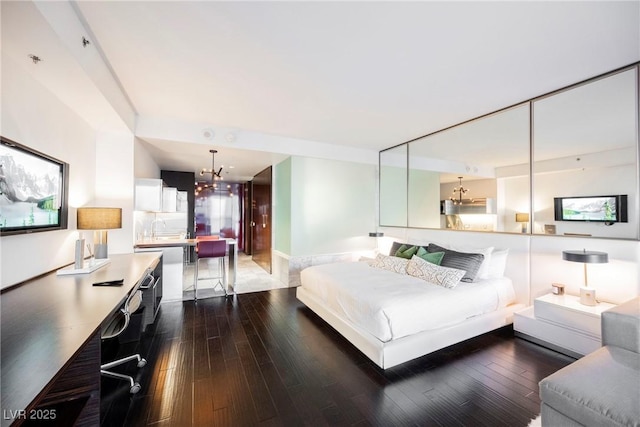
261, 219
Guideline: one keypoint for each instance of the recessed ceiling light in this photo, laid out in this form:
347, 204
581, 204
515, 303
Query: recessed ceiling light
208, 133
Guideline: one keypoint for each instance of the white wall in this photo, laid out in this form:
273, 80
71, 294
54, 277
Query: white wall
144, 166
101, 173
115, 185
33, 116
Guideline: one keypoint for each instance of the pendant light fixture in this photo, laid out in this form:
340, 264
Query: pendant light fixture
215, 176
460, 191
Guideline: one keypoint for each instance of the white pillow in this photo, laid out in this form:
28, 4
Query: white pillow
498, 263
432, 273
391, 263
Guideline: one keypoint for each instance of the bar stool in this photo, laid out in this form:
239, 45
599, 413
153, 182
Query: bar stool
207, 249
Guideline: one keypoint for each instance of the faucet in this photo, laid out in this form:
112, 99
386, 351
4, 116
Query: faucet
154, 227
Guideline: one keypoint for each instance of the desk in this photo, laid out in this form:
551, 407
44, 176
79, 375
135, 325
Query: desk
50, 328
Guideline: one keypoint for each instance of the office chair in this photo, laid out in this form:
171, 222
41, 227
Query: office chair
208, 249
117, 324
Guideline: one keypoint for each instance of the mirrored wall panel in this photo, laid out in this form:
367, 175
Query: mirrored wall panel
474, 176
585, 159
393, 186
565, 163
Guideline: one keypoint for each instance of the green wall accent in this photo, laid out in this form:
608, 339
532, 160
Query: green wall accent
332, 206
282, 206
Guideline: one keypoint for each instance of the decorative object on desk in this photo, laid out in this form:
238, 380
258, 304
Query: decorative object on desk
100, 220
549, 229
557, 288
79, 259
523, 218
587, 294
87, 267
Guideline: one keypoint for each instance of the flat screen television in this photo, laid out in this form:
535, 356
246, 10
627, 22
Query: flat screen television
33, 190
606, 209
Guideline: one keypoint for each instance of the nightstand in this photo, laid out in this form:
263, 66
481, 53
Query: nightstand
560, 322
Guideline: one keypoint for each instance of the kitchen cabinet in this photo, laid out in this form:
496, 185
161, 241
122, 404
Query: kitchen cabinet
152, 196
148, 195
169, 199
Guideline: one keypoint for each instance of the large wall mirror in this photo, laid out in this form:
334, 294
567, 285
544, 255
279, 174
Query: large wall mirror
585, 146
474, 176
477, 175
393, 186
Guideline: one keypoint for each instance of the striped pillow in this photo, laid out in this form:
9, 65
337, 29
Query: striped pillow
460, 260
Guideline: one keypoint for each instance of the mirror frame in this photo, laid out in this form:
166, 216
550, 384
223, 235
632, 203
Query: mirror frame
531, 124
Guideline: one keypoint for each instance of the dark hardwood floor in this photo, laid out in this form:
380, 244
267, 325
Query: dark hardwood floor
265, 359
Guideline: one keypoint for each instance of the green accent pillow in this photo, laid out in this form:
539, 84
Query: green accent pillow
406, 251
432, 257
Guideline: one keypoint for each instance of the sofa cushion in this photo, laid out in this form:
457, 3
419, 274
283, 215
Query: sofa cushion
602, 388
621, 326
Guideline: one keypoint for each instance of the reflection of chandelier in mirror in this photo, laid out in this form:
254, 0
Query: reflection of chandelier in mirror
215, 176
460, 190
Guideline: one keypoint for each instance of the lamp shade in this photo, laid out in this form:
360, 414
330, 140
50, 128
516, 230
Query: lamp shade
99, 218
522, 217
585, 256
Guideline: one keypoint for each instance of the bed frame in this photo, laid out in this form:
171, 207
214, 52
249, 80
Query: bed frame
395, 352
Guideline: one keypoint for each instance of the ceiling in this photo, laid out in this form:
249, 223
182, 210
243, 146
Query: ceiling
365, 75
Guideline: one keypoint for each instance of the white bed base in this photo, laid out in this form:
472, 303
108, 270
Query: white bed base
395, 352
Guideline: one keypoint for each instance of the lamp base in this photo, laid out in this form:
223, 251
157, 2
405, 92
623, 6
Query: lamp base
101, 251
588, 296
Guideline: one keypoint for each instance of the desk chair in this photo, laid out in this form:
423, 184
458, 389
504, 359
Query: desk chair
117, 324
207, 249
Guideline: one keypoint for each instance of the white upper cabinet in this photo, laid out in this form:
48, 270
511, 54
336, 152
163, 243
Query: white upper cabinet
152, 196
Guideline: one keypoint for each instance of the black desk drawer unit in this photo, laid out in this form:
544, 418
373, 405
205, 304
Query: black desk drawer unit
152, 294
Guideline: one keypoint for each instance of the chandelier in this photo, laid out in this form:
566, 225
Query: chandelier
215, 176
460, 191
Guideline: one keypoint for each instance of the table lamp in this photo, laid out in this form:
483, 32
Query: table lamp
523, 218
587, 295
100, 220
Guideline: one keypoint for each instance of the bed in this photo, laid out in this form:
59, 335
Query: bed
393, 316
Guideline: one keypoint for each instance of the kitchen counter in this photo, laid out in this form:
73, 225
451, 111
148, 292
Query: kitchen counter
165, 243
174, 262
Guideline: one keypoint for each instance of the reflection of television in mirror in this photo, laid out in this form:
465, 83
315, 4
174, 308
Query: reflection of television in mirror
607, 209
33, 190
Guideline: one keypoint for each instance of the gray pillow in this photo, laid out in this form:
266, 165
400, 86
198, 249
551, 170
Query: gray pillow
461, 260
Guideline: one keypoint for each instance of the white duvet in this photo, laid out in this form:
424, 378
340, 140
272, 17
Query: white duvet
390, 305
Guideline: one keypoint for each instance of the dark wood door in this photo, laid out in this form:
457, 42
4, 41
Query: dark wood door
261, 219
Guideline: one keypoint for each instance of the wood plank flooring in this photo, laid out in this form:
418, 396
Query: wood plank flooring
265, 359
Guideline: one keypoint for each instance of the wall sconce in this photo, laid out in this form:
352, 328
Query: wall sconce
100, 220
587, 295
523, 218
